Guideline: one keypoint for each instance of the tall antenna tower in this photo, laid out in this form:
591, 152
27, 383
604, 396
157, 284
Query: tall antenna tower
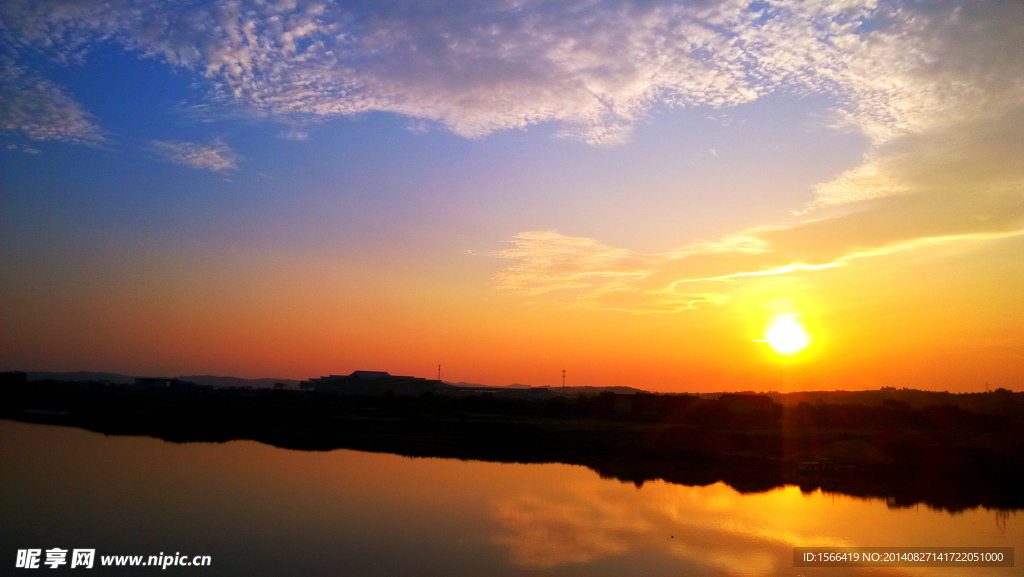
563, 380
438, 373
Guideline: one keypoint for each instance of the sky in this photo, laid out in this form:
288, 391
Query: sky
633, 191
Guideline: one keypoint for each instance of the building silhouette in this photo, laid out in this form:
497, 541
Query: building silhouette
371, 383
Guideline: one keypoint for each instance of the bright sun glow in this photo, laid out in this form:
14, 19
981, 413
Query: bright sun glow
787, 336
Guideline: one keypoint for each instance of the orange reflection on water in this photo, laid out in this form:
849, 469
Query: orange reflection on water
582, 520
260, 510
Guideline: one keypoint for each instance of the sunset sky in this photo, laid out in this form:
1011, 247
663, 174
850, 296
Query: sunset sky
630, 191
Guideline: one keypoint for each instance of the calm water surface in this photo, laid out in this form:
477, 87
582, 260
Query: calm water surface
259, 510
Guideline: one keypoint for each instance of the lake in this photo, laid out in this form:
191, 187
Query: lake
260, 510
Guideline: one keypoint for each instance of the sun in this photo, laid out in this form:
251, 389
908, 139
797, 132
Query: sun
787, 336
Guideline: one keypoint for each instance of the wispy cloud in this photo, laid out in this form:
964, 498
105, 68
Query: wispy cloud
40, 109
658, 288
595, 67
600, 276
547, 261
216, 156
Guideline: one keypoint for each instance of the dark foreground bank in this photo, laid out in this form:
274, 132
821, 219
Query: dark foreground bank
942, 456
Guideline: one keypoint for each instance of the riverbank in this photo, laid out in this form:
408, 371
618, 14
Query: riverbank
942, 456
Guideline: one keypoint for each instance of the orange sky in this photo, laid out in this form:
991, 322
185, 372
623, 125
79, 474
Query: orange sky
633, 201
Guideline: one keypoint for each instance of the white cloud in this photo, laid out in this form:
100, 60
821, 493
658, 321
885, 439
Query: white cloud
595, 67
40, 109
215, 156
293, 134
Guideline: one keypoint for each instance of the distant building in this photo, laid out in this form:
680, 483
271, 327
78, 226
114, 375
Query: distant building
371, 375
371, 383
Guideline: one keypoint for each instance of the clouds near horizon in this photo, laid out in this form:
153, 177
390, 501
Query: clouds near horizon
945, 187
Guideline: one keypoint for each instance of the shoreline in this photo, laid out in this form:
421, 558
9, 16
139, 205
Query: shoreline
903, 456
